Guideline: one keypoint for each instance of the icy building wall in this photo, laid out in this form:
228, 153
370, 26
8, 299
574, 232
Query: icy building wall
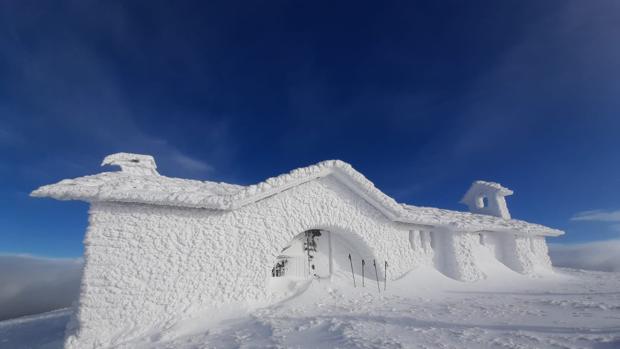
464, 256
455, 255
539, 248
521, 253
420, 242
147, 266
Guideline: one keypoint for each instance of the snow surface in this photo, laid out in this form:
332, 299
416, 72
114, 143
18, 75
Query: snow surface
423, 309
132, 185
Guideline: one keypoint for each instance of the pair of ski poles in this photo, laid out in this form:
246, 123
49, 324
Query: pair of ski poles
374, 263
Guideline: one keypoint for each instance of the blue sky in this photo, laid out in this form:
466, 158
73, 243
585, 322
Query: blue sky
421, 97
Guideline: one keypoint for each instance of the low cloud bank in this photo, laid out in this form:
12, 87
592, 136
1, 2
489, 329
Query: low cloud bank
599, 255
31, 285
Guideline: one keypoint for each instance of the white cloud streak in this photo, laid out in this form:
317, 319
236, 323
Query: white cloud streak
597, 215
191, 164
31, 285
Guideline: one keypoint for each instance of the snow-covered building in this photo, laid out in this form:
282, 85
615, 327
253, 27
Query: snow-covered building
158, 249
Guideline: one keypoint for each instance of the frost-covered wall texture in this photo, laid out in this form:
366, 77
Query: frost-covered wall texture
159, 249
147, 266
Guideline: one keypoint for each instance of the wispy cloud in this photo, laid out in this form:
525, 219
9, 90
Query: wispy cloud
69, 97
190, 163
506, 102
598, 215
31, 285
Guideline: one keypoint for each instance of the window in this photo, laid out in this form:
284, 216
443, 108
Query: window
426, 240
482, 201
481, 238
414, 239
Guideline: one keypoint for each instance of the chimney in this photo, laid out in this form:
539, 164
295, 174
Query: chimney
487, 198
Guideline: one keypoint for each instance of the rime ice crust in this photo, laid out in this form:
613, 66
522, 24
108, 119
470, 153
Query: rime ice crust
161, 249
472, 222
132, 163
147, 266
131, 186
487, 198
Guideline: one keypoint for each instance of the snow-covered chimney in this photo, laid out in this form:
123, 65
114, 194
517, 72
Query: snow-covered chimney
135, 164
487, 198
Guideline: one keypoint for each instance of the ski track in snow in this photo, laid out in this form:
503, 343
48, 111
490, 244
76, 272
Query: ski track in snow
424, 309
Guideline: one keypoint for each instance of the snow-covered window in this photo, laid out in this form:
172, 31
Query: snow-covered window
414, 239
533, 244
483, 201
426, 240
481, 238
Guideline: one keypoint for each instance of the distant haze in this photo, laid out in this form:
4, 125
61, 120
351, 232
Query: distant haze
599, 255
31, 285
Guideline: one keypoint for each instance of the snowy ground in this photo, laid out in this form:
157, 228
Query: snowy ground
424, 309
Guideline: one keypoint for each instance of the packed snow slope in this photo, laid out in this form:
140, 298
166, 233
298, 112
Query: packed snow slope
424, 309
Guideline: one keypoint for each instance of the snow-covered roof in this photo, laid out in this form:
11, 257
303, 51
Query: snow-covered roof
473, 222
139, 183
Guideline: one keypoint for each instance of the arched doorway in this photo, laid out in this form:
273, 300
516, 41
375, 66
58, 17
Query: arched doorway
308, 255
319, 254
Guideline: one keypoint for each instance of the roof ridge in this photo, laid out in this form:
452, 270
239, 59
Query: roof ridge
124, 186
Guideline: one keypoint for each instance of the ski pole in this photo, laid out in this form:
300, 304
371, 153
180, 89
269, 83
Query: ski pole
385, 278
376, 276
363, 263
352, 273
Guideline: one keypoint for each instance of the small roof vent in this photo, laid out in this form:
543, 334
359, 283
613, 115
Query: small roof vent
136, 164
